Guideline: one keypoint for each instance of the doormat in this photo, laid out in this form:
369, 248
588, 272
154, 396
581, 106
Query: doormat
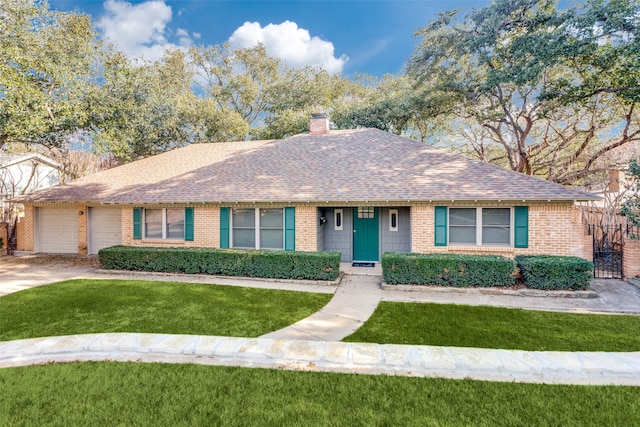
363, 264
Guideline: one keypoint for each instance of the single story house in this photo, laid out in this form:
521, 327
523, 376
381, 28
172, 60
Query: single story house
26, 173
360, 192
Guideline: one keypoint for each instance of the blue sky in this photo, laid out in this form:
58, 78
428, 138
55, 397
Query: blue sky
349, 37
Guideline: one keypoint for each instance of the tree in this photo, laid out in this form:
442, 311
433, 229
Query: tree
47, 67
394, 105
520, 80
631, 205
298, 94
382, 104
240, 81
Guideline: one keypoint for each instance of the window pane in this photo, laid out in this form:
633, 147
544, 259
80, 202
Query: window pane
271, 239
496, 226
175, 223
495, 235
496, 216
244, 238
271, 229
244, 234
271, 218
244, 218
462, 225
366, 212
153, 223
462, 235
462, 216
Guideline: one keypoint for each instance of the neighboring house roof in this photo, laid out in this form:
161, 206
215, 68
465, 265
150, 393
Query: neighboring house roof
7, 160
364, 165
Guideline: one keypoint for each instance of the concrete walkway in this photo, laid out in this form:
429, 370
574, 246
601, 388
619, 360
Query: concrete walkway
313, 343
352, 304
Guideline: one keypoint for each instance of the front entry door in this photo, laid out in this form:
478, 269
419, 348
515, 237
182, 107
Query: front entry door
365, 234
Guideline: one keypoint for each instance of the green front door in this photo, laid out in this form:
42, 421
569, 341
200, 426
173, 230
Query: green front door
365, 234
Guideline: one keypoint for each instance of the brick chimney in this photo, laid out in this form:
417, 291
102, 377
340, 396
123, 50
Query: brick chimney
319, 124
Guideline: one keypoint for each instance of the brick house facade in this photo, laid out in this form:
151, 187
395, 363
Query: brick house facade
360, 192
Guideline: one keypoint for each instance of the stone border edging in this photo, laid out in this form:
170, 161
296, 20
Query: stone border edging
328, 356
493, 291
210, 276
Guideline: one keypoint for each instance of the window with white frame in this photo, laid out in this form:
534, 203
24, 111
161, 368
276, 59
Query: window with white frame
257, 228
480, 226
164, 223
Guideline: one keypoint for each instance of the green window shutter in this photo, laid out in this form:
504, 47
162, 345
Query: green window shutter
188, 224
441, 226
521, 227
289, 229
137, 223
224, 228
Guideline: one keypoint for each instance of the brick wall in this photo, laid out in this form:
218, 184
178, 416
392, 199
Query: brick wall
582, 242
552, 230
306, 238
26, 230
83, 243
422, 229
127, 226
206, 230
4, 235
631, 257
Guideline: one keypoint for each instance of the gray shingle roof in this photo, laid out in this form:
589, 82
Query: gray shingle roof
350, 165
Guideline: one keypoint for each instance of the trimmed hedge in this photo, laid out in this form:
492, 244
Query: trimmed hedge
555, 272
225, 262
447, 270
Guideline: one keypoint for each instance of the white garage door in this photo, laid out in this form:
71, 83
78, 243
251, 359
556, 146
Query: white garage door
105, 228
58, 230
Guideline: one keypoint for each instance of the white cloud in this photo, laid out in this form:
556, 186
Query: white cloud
184, 37
140, 30
290, 43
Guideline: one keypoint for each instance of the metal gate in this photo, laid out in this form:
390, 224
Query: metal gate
607, 250
12, 233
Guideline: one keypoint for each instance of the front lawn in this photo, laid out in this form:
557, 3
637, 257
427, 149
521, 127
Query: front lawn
495, 327
92, 306
108, 394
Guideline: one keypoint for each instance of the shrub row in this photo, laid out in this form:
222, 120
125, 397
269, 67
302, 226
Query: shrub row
447, 269
538, 272
227, 262
555, 272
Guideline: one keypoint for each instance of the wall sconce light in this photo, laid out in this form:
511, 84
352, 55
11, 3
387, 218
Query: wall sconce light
80, 212
323, 219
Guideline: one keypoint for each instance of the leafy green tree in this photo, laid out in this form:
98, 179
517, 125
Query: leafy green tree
137, 110
533, 88
301, 92
631, 205
143, 109
383, 104
48, 65
393, 104
240, 81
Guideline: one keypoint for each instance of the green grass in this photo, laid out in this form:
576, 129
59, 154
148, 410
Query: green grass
94, 306
107, 394
494, 327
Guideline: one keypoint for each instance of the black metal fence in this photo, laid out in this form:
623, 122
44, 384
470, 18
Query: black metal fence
607, 249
